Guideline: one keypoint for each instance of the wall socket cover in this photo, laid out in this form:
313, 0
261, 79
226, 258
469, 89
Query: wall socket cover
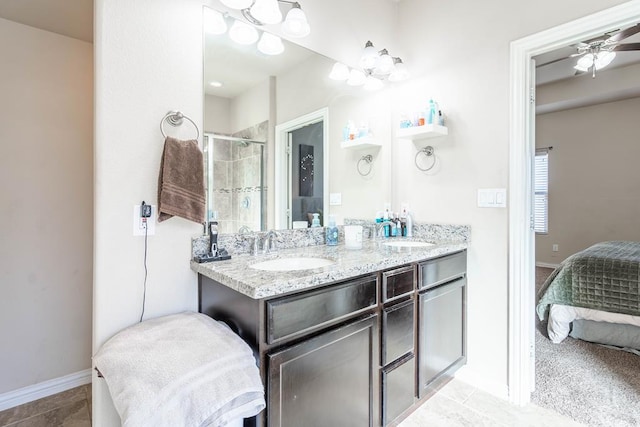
139, 223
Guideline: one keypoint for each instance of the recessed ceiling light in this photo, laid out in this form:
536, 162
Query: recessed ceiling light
215, 83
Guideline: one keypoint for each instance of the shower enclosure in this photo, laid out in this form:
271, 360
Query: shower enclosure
235, 177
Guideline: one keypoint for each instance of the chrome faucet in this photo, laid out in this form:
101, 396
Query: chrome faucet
268, 242
380, 232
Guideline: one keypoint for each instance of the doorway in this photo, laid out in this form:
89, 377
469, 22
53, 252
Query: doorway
521, 141
301, 169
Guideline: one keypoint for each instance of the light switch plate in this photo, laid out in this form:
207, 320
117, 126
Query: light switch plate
335, 199
138, 224
492, 197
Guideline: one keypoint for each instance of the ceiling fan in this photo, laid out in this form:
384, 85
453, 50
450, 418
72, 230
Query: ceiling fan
598, 52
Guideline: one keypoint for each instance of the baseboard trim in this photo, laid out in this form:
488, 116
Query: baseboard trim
547, 265
44, 389
473, 378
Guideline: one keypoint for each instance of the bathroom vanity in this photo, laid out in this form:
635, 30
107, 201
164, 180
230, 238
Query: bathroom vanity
360, 342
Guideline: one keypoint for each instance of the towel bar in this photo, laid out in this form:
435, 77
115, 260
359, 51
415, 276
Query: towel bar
176, 118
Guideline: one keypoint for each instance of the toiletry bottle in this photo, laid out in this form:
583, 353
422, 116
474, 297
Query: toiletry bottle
440, 118
409, 225
332, 232
387, 227
432, 115
315, 222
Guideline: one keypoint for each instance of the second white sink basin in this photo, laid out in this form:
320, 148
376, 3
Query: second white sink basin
292, 264
408, 244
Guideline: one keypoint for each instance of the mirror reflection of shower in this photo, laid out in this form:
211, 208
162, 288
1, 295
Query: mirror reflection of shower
235, 183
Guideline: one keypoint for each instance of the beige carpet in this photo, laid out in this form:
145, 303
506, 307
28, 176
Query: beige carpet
592, 384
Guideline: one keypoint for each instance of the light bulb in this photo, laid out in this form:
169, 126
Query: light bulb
369, 58
356, 78
339, 72
243, 33
385, 63
399, 72
214, 22
295, 24
270, 44
585, 62
604, 58
371, 83
266, 11
237, 4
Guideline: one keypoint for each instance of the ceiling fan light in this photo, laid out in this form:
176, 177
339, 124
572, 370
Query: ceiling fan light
371, 83
295, 23
214, 22
237, 4
242, 33
266, 11
604, 58
339, 72
356, 78
585, 62
370, 56
270, 44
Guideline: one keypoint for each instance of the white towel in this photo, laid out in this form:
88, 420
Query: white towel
180, 370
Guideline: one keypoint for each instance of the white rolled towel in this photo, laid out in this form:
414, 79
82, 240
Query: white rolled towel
180, 370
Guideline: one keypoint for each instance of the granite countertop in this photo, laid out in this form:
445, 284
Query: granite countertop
237, 274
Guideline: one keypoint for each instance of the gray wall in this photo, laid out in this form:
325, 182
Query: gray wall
594, 178
46, 208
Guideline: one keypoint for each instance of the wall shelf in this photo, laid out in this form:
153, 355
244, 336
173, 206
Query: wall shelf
422, 132
360, 143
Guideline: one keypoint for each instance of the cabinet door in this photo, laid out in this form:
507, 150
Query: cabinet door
441, 331
326, 380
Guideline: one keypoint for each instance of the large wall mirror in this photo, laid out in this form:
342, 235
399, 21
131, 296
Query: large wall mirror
272, 137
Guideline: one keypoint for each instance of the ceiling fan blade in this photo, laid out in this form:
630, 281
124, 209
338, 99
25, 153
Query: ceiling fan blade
623, 34
560, 59
627, 46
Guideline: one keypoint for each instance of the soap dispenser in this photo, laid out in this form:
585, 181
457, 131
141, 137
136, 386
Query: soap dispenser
332, 232
409, 221
315, 222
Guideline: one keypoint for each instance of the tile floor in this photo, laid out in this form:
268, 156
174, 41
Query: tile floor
456, 404
71, 408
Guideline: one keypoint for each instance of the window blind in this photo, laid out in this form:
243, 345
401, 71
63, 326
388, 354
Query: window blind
541, 192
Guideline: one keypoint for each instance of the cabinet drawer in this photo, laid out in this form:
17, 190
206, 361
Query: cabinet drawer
440, 270
397, 331
288, 316
398, 389
396, 283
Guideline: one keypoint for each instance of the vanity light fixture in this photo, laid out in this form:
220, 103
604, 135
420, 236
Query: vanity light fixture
214, 22
215, 83
270, 44
267, 12
376, 66
243, 33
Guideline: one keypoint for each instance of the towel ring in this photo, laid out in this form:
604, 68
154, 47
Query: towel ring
176, 118
369, 159
429, 152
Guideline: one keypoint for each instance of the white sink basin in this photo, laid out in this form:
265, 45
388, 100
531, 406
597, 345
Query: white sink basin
408, 244
292, 264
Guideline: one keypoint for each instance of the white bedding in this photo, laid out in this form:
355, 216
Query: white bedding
561, 316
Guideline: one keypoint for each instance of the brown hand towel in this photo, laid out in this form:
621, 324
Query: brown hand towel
181, 181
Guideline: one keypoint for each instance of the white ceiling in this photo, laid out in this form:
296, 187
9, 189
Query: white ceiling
71, 18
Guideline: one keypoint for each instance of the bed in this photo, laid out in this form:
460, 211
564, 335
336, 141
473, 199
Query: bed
594, 295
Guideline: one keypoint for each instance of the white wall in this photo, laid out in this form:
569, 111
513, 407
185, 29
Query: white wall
594, 180
250, 107
46, 209
148, 60
459, 54
216, 114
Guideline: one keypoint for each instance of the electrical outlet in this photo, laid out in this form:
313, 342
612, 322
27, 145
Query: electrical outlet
554, 248
141, 223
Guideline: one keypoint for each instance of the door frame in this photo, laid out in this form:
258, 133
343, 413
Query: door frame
521, 286
281, 163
